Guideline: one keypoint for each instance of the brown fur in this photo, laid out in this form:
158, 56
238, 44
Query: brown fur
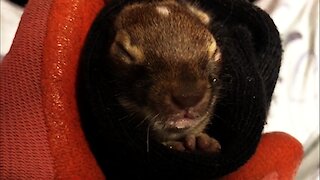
172, 42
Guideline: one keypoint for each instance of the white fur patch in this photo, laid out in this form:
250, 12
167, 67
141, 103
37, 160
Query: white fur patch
204, 17
213, 51
162, 10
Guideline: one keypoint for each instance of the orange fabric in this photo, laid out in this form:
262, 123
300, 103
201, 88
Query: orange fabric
68, 24
24, 146
278, 156
40, 133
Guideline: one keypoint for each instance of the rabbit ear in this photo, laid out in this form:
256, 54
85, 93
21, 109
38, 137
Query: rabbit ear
203, 16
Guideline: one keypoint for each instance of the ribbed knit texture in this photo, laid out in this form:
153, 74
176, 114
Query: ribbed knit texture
22, 150
251, 55
40, 132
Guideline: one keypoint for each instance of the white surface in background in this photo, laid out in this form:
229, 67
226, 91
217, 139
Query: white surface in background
295, 106
9, 18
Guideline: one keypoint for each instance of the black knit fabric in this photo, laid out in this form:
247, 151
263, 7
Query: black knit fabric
251, 54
